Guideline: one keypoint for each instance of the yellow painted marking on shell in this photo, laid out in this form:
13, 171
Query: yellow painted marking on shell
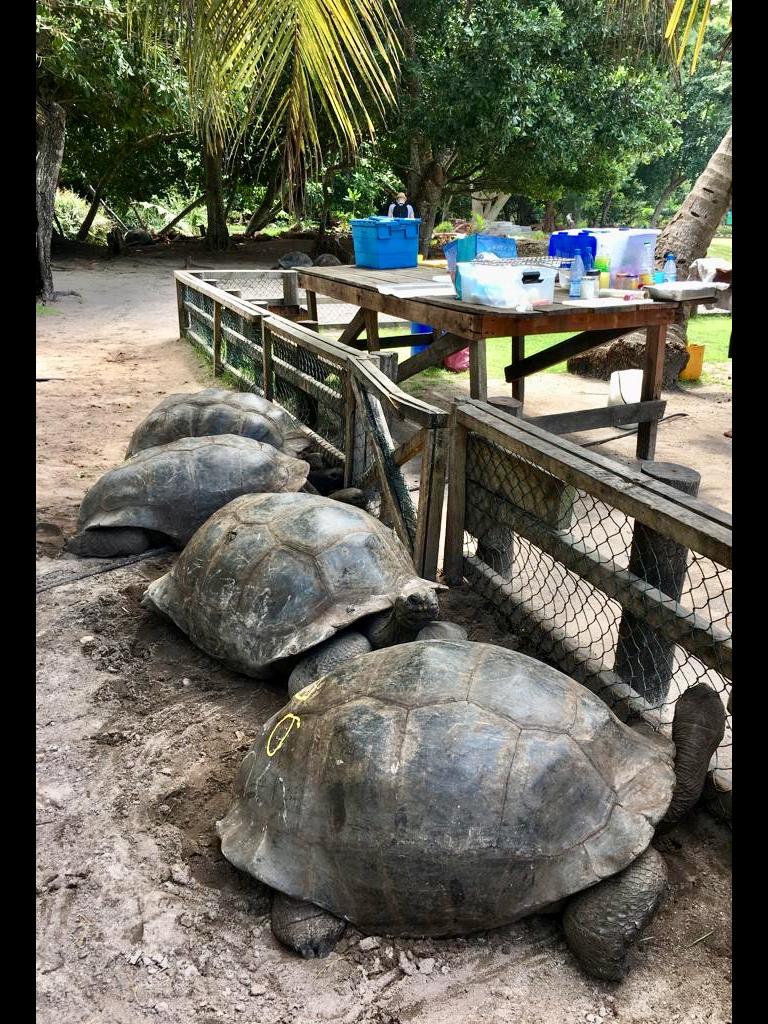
287, 723
309, 691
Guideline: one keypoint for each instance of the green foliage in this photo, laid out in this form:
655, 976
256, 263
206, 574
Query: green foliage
71, 210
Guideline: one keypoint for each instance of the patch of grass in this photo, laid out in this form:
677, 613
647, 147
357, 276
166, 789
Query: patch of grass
721, 248
714, 333
41, 310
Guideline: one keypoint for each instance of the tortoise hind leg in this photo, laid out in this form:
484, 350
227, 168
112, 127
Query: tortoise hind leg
602, 923
109, 542
304, 927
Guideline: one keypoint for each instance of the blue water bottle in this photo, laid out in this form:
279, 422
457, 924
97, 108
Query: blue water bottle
670, 268
577, 274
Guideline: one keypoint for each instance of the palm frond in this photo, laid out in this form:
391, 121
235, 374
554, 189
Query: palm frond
681, 17
283, 64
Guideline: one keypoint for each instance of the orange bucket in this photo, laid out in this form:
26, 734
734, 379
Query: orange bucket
695, 363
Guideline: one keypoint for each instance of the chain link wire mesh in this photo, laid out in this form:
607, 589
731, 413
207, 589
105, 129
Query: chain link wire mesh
253, 285
554, 560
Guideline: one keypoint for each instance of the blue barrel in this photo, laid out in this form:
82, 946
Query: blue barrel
420, 329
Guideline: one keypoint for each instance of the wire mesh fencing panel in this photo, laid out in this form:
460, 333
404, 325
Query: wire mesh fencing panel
620, 581
266, 286
309, 378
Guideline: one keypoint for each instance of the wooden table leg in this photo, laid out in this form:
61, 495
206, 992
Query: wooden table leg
655, 349
372, 329
312, 304
518, 353
478, 371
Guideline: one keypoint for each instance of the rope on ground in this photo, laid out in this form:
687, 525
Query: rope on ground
59, 577
628, 433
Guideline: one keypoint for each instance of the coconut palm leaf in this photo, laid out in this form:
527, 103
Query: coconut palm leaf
686, 20
282, 64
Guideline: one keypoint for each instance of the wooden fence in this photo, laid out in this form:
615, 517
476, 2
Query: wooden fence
345, 402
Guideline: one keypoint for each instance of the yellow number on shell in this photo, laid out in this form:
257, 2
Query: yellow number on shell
287, 722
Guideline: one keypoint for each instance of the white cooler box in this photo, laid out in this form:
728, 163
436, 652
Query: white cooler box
504, 286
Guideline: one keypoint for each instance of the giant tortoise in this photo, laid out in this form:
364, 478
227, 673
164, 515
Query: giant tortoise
164, 494
441, 787
218, 411
272, 576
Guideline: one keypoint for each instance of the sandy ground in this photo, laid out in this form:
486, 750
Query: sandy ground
139, 736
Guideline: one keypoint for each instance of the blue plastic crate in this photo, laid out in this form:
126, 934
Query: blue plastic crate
385, 243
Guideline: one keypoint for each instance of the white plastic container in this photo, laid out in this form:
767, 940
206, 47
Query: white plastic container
625, 388
625, 249
505, 286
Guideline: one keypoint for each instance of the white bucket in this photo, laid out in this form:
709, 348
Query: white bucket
625, 388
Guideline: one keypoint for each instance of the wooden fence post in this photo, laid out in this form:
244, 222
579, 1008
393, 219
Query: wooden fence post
290, 288
216, 339
426, 549
183, 315
266, 350
644, 656
453, 554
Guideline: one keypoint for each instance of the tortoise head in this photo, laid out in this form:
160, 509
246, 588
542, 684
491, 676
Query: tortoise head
416, 605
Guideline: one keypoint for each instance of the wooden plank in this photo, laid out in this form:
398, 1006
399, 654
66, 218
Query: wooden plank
333, 351
593, 419
180, 307
558, 353
267, 366
518, 356
350, 468
290, 288
312, 304
401, 455
453, 553
684, 626
306, 383
624, 474
404, 406
478, 371
510, 405
217, 339
239, 306
354, 328
200, 341
196, 311
675, 516
433, 355
653, 372
367, 403
371, 319
426, 548
405, 340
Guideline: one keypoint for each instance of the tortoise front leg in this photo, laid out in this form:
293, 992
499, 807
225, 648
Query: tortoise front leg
602, 923
304, 927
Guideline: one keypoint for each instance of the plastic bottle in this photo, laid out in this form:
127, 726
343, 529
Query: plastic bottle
670, 268
577, 273
646, 266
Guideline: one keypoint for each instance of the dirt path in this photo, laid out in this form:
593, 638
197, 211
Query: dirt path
139, 735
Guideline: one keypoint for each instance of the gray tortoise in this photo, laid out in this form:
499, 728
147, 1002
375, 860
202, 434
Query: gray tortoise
164, 494
272, 577
441, 787
218, 411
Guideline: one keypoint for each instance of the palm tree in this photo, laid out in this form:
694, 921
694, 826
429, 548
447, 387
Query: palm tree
690, 232
284, 65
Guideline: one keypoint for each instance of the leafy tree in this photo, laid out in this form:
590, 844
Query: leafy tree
521, 97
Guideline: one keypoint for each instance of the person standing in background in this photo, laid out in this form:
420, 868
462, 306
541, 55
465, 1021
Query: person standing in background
401, 207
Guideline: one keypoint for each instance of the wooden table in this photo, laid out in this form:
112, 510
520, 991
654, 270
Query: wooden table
458, 325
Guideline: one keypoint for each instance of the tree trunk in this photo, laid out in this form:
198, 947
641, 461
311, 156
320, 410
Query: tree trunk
548, 224
690, 231
669, 189
85, 227
180, 216
216, 234
266, 209
606, 209
50, 121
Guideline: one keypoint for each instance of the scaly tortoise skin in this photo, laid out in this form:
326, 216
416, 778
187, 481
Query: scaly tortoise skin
272, 576
165, 494
218, 411
440, 787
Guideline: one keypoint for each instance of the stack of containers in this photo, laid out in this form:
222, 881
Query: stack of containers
464, 250
623, 248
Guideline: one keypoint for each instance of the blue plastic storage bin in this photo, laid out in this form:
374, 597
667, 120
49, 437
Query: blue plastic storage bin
385, 243
565, 244
463, 250
419, 329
